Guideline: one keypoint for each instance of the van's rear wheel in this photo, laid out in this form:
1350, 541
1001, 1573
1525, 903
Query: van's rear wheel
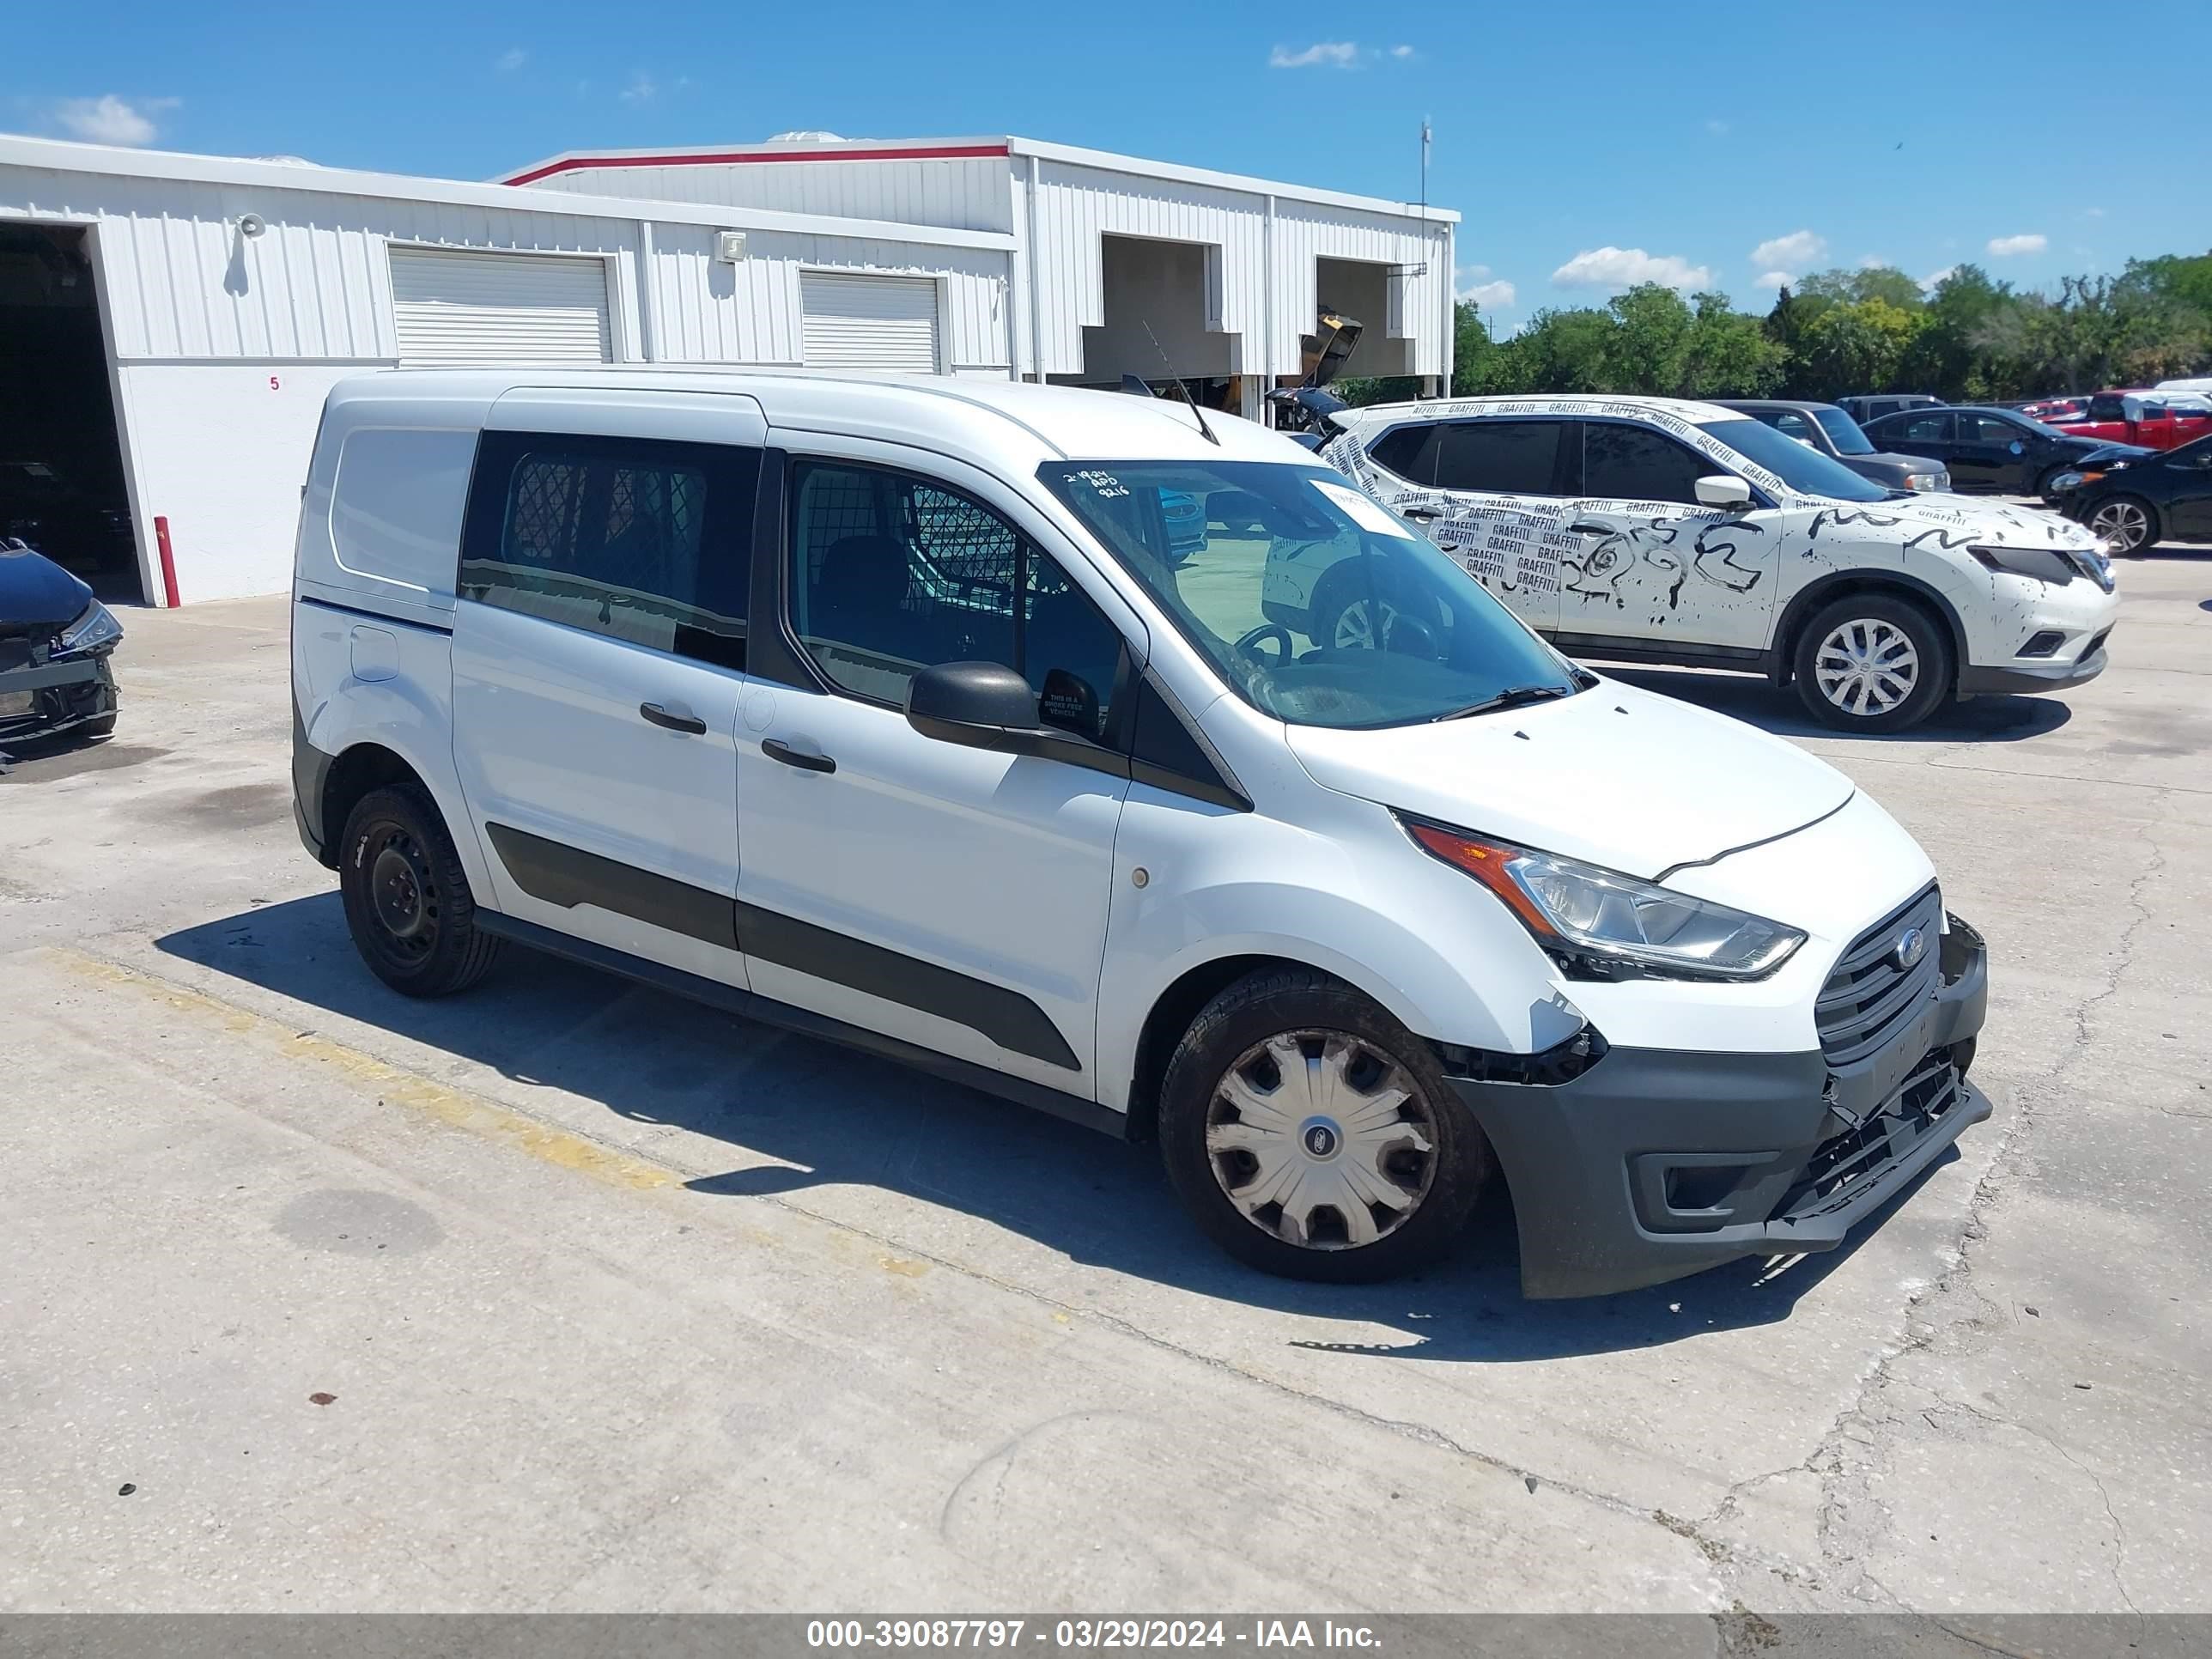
407, 899
1873, 662
1310, 1134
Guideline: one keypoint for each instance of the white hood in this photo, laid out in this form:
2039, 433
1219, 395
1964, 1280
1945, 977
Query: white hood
1952, 521
1619, 777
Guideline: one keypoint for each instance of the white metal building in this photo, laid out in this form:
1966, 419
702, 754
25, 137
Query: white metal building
170, 323
1228, 272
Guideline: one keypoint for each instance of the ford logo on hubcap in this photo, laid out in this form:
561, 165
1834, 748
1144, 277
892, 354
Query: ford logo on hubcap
1911, 945
1319, 1138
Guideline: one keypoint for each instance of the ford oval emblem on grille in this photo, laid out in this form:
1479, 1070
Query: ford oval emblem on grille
1911, 945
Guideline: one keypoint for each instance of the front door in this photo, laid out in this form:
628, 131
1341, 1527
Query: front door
952, 898
1655, 568
598, 645
2188, 511
1991, 453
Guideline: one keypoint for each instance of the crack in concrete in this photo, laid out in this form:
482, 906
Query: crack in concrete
1918, 1333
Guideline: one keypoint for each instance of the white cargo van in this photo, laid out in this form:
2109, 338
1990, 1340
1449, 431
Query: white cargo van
901, 714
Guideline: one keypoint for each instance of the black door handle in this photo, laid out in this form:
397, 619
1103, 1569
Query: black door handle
1584, 527
777, 748
1420, 514
678, 718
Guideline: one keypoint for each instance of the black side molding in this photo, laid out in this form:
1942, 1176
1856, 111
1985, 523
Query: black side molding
1007, 1016
569, 876
373, 616
747, 1005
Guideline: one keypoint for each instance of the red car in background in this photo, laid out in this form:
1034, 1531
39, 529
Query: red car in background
2156, 420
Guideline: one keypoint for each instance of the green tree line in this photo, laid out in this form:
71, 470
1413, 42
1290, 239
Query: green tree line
1972, 338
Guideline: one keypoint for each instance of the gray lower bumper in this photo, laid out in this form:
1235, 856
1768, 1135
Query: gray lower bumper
1654, 1162
1986, 682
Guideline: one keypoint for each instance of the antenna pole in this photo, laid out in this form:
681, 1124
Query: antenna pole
1182, 387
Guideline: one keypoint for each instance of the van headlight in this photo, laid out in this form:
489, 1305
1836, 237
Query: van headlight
94, 629
1599, 922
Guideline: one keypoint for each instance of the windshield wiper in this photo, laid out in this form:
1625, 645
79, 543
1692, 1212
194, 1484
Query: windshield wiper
1513, 697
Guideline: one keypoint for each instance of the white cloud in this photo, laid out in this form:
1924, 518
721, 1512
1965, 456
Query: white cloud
1322, 54
1491, 296
2093, 213
1872, 261
1797, 250
2003, 247
510, 60
1772, 279
1935, 279
641, 89
1717, 127
1625, 267
1471, 270
108, 119
1402, 52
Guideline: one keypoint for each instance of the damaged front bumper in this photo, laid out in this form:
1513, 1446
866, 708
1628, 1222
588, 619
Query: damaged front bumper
1652, 1163
42, 699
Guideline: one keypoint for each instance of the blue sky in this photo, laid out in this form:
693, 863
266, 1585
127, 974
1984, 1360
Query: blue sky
1587, 145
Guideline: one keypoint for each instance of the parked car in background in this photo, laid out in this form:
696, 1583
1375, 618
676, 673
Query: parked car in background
42, 507
1827, 428
2135, 503
2050, 410
2199, 385
55, 641
1993, 451
1343, 932
2155, 420
1655, 530
1872, 406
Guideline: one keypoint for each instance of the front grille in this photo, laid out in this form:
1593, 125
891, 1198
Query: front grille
1869, 998
1842, 1165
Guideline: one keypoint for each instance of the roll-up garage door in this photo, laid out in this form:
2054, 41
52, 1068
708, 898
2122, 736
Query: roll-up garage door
887, 323
454, 309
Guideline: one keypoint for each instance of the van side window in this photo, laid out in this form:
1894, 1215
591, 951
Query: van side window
1624, 463
1410, 452
641, 540
892, 574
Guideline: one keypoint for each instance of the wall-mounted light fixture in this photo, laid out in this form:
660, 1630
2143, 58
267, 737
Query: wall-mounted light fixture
729, 246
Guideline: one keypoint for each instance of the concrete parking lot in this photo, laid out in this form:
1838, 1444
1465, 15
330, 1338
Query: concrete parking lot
566, 1295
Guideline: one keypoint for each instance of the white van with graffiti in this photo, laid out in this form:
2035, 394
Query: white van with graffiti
1660, 531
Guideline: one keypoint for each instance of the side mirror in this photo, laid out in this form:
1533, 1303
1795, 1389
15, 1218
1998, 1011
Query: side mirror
1722, 489
977, 705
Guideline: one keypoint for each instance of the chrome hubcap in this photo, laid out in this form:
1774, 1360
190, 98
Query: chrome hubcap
1866, 667
1321, 1140
2122, 522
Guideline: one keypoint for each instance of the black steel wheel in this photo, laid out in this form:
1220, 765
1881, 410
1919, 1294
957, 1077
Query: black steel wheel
407, 899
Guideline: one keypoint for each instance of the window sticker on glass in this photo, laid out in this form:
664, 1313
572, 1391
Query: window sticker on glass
1362, 510
1104, 485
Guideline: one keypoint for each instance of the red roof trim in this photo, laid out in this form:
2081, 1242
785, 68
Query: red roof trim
724, 158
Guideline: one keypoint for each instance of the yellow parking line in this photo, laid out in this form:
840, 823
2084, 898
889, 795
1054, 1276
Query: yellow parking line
449, 1106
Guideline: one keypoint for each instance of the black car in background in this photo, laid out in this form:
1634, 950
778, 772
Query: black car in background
55, 641
1873, 405
1999, 452
1827, 428
2136, 501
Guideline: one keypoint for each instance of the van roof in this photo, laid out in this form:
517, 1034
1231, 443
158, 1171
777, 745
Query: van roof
1024, 423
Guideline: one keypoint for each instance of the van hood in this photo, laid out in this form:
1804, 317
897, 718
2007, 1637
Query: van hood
1615, 776
1956, 521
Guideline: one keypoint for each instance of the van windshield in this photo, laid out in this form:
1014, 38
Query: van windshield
1312, 603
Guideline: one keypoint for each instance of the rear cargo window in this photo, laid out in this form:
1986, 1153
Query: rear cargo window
639, 540
396, 509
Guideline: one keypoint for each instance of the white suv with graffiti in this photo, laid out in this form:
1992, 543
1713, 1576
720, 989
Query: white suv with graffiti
1656, 529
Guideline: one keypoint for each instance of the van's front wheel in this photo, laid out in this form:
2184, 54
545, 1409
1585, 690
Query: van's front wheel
1310, 1134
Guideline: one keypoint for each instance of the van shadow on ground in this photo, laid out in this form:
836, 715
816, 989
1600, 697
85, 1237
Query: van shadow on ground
833, 1117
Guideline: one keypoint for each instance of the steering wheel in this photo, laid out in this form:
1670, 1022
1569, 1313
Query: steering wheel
1285, 647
